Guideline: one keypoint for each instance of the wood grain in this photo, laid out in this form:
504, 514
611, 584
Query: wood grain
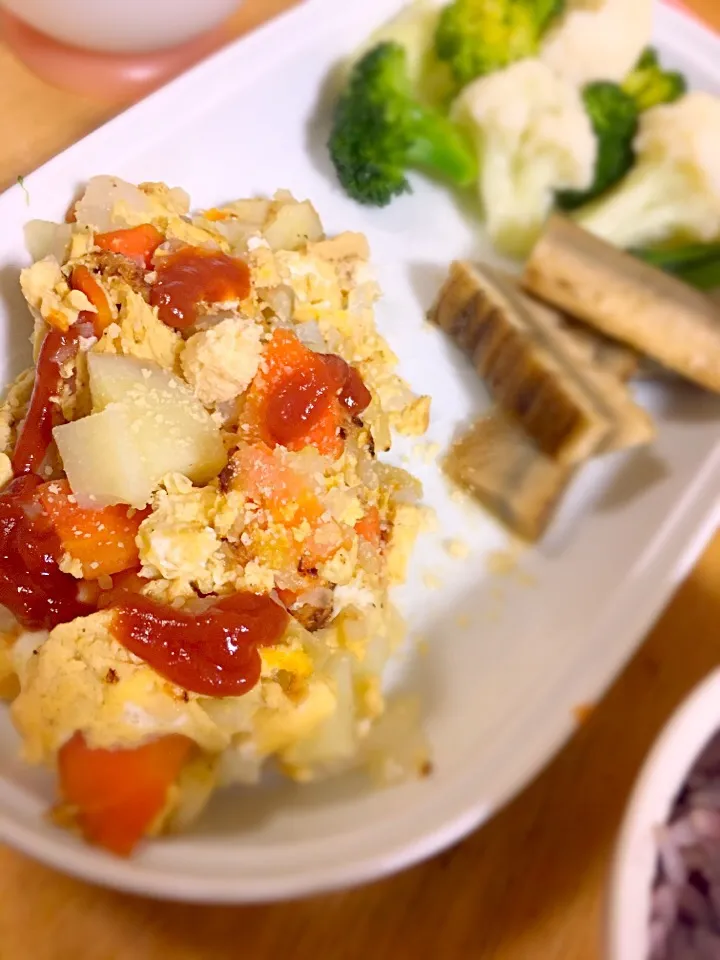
529, 885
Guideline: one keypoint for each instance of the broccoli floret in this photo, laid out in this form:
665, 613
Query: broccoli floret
380, 131
673, 191
477, 37
649, 85
614, 117
615, 111
414, 29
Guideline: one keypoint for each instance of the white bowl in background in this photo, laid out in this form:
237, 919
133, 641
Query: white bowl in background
663, 775
122, 26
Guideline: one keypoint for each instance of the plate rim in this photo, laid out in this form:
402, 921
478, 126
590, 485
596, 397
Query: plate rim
697, 517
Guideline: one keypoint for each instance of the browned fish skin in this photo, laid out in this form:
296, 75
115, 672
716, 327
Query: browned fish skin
498, 465
568, 405
601, 351
627, 300
521, 373
631, 426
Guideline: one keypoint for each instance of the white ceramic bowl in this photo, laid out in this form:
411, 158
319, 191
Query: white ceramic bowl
636, 856
122, 26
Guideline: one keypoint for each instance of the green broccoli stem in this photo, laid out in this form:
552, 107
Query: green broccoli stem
676, 258
650, 85
702, 276
548, 10
698, 264
438, 146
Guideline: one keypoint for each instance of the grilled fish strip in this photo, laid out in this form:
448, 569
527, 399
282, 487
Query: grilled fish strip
628, 300
533, 370
499, 466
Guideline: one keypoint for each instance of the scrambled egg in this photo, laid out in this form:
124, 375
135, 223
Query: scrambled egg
178, 542
330, 537
81, 678
139, 333
14, 408
220, 363
47, 292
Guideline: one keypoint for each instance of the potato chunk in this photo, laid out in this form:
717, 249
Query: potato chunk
292, 225
146, 423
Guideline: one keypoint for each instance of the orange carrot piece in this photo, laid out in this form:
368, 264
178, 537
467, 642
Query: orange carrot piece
213, 214
117, 794
368, 527
274, 486
287, 358
82, 279
103, 540
136, 243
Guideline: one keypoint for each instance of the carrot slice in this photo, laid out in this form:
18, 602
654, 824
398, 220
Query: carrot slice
274, 485
275, 406
117, 794
135, 243
82, 279
213, 214
368, 527
103, 540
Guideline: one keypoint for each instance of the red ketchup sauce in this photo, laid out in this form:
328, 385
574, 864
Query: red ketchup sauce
191, 275
32, 586
306, 396
35, 434
213, 653
352, 392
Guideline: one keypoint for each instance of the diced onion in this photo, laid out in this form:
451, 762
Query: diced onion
43, 238
102, 193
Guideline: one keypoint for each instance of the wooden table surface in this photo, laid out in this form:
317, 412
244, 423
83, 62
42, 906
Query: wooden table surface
528, 886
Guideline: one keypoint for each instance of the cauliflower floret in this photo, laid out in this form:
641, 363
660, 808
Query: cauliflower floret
674, 188
82, 679
49, 295
220, 363
140, 333
598, 39
534, 138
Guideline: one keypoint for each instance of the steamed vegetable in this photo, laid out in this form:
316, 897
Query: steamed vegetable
147, 424
614, 119
649, 85
84, 280
380, 131
534, 138
698, 264
598, 39
137, 243
477, 37
614, 111
414, 29
115, 795
674, 189
102, 541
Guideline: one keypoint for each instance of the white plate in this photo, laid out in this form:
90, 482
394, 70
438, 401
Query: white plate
498, 692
